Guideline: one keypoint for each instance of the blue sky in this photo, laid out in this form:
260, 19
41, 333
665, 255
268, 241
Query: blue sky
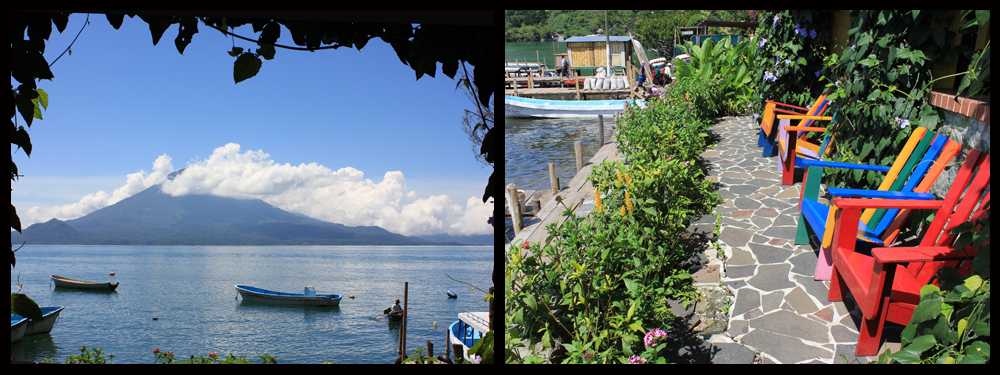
118, 104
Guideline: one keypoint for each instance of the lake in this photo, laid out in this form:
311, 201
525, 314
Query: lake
190, 290
531, 144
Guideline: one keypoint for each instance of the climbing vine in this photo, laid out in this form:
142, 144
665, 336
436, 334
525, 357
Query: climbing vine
791, 46
883, 82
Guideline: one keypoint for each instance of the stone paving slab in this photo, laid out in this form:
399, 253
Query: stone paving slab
779, 311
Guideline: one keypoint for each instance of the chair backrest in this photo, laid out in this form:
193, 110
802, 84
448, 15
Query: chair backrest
917, 144
959, 206
917, 167
818, 107
950, 150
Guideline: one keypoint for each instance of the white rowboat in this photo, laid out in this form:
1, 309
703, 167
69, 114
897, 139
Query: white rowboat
65, 282
523, 107
308, 299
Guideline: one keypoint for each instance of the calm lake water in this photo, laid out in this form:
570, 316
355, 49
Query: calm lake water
191, 291
531, 144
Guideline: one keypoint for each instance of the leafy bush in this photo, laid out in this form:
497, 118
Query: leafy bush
599, 285
728, 67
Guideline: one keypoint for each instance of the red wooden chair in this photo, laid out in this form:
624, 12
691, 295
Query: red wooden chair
921, 161
769, 127
888, 293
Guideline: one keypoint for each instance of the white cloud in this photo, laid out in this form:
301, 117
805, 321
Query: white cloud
134, 183
344, 196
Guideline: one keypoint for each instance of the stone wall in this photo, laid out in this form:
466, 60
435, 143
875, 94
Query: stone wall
971, 134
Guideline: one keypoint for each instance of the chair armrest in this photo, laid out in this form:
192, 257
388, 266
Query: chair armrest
805, 129
857, 193
918, 254
887, 203
804, 117
786, 105
830, 164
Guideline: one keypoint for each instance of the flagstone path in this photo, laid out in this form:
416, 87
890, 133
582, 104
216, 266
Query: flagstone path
779, 310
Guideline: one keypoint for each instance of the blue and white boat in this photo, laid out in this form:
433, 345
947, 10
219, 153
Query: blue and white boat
309, 298
468, 330
17, 327
539, 108
39, 327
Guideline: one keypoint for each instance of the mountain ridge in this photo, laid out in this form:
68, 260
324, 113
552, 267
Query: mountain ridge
152, 217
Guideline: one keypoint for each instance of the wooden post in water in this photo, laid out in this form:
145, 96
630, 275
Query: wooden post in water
578, 147
600, 119
406, 305
553, 178
514, 205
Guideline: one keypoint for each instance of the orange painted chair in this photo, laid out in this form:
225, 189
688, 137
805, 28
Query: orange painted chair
915, 170
886, 285
769, 128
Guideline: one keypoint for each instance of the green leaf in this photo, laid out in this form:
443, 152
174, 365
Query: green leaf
22, 140
22, 305
631, 312
43, 98
631, 285
530, 301
26, 107
928, 309
974, 283
15, 222
236, 51
983, 17
982, 326
246, 67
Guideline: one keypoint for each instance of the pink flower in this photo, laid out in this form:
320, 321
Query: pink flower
526, 245
653, 336
156, 351
636, 360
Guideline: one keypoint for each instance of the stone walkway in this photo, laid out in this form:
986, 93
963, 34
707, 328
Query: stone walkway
779, 310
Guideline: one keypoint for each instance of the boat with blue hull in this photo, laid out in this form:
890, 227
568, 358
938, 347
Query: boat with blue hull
17, 327
39, 327
540, 108
309, 298
468, 330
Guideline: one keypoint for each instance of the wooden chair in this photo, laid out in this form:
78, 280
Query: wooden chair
884, 291
915, 170
794, 148
768, 132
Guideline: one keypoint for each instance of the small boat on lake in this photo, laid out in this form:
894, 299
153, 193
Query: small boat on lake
65, 282
393, 316
38, 327
468, 330
523, 107
17, 327
452, 295
309, 298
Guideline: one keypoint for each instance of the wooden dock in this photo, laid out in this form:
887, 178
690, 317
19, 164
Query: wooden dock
554, 88
579, 194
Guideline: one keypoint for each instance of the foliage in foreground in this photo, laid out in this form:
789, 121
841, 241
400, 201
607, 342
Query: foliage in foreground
596, 291
952, 322
94, 356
